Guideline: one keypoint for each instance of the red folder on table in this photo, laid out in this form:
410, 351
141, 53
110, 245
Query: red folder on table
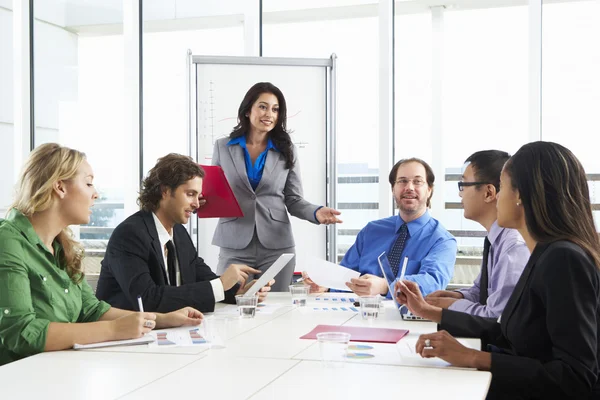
220, 200
360, 334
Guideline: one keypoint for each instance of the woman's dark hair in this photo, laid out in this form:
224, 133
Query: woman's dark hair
487, 166
555, 195
171, 171
279, 135
428, 171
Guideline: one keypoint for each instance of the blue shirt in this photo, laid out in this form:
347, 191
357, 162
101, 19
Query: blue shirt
255, 171
430, 248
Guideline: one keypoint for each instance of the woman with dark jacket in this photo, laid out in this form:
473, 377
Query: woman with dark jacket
545, 344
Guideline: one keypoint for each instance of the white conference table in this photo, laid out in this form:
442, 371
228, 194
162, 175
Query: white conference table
264, 358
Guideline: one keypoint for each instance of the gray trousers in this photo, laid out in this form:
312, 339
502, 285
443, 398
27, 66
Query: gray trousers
259, 257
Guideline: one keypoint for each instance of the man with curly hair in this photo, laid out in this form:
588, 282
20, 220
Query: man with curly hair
151, 255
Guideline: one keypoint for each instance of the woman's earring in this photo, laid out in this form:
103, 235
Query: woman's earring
518, 204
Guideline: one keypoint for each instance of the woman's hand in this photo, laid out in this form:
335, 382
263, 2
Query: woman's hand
133, 325
326, 216
441, 344
409, 294
182, 317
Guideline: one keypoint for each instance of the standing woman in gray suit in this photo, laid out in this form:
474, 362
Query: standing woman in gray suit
261, 165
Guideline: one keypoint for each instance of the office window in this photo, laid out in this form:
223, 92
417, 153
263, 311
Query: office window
485, 87
413, 75
79, 101
570, 83
354, 41
167, 37
7, 166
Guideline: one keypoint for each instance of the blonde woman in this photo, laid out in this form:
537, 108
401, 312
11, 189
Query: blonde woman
45, 304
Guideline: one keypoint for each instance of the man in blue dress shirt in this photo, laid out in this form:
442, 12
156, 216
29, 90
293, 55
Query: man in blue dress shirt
413, 233
506, 255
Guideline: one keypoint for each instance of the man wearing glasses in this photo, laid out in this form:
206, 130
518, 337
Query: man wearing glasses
505, 253
412, 234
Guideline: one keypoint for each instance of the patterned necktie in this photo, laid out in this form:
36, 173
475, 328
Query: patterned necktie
397, 248
483, 282
171, 269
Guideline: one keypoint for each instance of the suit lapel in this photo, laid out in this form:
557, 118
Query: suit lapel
149, 220
270, 163
521, 284
239, 161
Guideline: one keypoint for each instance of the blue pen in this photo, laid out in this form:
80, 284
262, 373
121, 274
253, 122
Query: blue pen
140, 305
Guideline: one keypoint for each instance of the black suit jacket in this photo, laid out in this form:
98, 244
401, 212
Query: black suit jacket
133, 265
548, 334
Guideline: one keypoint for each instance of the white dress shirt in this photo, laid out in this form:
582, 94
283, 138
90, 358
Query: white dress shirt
164, 237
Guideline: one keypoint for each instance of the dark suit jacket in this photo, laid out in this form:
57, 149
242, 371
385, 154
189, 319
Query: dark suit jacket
549, 330
133, 265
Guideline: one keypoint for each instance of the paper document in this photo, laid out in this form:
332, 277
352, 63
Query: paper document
129, 342
174, 337
328, 274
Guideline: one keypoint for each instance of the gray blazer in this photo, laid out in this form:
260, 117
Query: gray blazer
265, 209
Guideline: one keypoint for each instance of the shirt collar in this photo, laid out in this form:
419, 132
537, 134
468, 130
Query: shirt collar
22, 223
494, 233
241, 140
163, 235
414, 226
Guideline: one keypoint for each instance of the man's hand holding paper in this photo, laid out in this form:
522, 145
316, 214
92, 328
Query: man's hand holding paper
326, 274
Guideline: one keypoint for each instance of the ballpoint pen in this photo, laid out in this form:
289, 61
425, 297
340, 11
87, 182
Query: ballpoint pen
140, 305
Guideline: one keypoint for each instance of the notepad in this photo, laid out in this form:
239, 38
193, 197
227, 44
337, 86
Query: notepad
129, 342
360, 334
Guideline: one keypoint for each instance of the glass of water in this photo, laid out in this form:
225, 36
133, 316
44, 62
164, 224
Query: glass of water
216, 329
299, 294
369, 307
333, 347
246, 305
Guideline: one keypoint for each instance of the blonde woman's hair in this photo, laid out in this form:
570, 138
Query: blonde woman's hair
46, 165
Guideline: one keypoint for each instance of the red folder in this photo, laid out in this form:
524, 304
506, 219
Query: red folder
360, 334
220, 200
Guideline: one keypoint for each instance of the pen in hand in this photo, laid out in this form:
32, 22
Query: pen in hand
140, 305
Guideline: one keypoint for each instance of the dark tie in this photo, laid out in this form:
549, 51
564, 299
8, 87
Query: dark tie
397, 248
483, 282
171, 263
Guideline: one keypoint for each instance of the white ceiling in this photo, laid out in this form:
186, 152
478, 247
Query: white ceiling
106, 16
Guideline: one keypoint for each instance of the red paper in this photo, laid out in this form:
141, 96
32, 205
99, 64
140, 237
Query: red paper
360, 334
220, 200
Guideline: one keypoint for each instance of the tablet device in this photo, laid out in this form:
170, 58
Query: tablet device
383, 262
269, 274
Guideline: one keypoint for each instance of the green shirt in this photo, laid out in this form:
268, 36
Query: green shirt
36, 290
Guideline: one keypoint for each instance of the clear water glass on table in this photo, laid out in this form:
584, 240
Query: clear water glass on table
369, 307
299, 294
246, 305
216, 330
333, 347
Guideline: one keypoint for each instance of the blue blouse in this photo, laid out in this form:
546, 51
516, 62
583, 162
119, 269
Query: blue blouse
254, 171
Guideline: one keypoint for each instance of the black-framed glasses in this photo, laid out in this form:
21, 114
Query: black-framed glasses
461, 184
